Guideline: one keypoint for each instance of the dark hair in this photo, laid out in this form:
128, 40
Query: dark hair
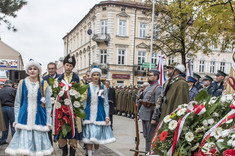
52, 63
155, 72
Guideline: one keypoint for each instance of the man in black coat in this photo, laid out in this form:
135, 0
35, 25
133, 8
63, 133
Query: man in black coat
112, 101
51, 67
7, 98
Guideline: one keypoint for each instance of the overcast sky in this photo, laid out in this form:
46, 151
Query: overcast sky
41, 26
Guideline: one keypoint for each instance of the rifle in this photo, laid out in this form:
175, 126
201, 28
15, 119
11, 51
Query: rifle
137, 138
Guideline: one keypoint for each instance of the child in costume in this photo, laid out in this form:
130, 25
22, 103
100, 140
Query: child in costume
96, 126
32, 115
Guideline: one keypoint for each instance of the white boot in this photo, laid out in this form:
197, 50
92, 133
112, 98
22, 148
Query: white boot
89, 152
96, 152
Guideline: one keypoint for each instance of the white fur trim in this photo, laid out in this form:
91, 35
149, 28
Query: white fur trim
33, 63
28, 152
103, 123
94, 103
33, 127
93, 70
95, 141
32, 102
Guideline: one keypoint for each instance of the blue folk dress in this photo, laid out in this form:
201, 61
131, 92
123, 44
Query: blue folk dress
95, 130
31, 121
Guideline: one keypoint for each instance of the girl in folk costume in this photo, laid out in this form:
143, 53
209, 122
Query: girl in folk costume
96, 128
32, 115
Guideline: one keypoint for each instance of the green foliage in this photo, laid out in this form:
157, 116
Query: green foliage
8, 8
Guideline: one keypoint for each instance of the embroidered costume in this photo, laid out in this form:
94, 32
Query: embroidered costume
32, 120
95, 130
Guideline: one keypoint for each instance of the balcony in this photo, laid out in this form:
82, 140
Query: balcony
101, 38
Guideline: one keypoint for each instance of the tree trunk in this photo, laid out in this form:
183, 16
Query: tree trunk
183, 58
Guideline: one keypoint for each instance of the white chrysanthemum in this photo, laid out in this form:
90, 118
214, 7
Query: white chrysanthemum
55, 84
229, 143
229, 121
67, 101
61, 93
172, 125
76, 104
189, 136
181, 112
195, 147
229, 97
220, 140
205, 123
167, 119
205, 148
211, 145
57, 105
223, 99
211, 121
77, 95
72, 92
233, 143
200, 129
52, 100
233, 136
217, 135
215, 114
225, 133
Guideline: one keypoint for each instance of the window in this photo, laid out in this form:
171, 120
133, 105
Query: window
120, 83
81, 38
212, 67
142, 32
122, 28
84, 61
171, 60
80, 67
141, 59
74, 43
222, 66
84, 36
104, 27
104, 8
77, 40
103, 56
121, 56
123, 9
201, 66
154, 58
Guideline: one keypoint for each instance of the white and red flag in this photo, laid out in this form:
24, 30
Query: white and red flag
160, 67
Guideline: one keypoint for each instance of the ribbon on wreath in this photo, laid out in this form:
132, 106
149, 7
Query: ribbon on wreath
65, 89
227, 117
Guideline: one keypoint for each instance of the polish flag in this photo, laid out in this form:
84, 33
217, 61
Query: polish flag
189, 69
160, 67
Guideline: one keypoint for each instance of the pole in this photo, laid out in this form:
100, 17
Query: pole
151, 44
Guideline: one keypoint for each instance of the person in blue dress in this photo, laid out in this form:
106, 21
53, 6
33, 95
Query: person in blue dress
32, 115
96, 125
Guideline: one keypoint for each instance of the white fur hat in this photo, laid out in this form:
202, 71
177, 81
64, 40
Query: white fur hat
33, 63
95, 69
180, 67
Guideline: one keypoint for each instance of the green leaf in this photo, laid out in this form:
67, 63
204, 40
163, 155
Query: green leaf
81, 114
82, 88
51, 81
202, 96
221, 146
64, 130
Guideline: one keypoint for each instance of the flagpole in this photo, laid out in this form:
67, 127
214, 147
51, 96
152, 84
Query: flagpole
151, 44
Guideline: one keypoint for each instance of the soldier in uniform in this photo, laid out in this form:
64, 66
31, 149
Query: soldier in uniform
197, 84
207, 80
193, 91
151, 94
217, 87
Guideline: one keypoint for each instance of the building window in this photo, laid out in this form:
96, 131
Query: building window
104, 27
103, 56
104, 8
121, 56
141, 59
171, 60
222, 66
81, 38
78, 41
84, 36
122, 28
80, 67
154, 58
142, 30
212, 67
120, 83
201, 66
74, 43
84, 61
123, 9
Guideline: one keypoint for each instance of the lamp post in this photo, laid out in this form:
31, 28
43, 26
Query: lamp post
151, 44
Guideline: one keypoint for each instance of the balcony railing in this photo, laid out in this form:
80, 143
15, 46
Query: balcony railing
101, 38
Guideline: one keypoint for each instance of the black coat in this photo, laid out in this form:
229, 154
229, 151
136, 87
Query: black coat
112, 100
215, 89
46, 78
7, 96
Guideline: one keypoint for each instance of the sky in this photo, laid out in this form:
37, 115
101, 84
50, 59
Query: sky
41, 25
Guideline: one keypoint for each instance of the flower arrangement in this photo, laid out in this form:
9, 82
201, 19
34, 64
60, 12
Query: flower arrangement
199, 128
67, 105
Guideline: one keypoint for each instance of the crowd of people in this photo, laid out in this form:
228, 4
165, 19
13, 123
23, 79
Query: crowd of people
28, 110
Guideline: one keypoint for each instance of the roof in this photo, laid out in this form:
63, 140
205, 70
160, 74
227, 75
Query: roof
105, 3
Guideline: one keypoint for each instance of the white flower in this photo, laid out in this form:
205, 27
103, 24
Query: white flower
223, 99
212, 100
229, 143
61, 93
185, 105
43, 100
167, 119
205, 123
225, 133
55, 84
77, 95
200, 129
205, 148
72, 92
67, 101
76, 104
181, 112
172, 125
233, 136
233, 144
229, 97
52, 100
57, 105
229, 121
220, 140
189, 136
217, 135
211, 121
195, 147
211, 145
215, 114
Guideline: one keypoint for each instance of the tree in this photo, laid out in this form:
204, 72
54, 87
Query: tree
8, 8
194, 25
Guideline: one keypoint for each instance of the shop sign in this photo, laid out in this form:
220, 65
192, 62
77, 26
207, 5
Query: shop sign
121, 76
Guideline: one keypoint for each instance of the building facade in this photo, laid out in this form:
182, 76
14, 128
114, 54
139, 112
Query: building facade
115, 36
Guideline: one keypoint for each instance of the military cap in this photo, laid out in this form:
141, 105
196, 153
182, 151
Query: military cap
70, 59
221, 73
196, 76
207, 77
172, 65
191, 79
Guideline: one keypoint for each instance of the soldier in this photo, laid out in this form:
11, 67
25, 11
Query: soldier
151, 94
197, 84
193, 91
217, 87
207, 80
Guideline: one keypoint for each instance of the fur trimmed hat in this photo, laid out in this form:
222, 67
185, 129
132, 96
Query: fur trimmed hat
95, 69
33, 63
70, 59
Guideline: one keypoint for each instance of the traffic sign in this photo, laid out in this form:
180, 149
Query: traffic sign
147, 64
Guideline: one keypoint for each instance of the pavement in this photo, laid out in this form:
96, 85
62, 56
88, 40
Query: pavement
124, 132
